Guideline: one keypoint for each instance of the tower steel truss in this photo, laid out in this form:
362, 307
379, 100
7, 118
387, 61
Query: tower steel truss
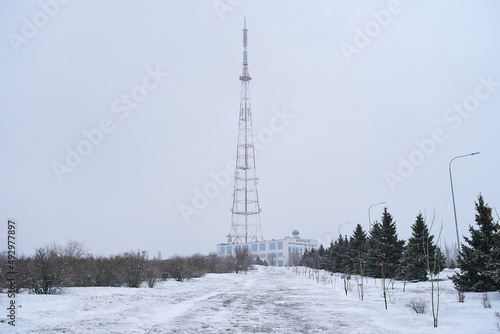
245, 221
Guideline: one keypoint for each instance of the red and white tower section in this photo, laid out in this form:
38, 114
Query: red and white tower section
245, 221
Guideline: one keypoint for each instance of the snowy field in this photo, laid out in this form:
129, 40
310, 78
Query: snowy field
266, 300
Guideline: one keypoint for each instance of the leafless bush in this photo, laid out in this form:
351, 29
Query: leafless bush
197, 264
219, 264
294, 258
461, 295
451, 255
153, 272
273, 259
497, 314
103, 271
45, 271
53, 267
244, 259
347, 282
486, 300
4, 268
419, 306
176, 268
132, 268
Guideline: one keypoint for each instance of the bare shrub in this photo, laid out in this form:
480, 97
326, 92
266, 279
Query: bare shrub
273, 259
461, 295
497, 314
244, 259
3, 270
294, 258
176, 268
45, 271
153, 272
219, 264
451, 255
486, 300
133, 268
197, 264
347, 282
419, 306
103, 271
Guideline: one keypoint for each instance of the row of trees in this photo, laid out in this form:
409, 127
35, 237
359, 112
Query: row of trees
381, 254
53, 267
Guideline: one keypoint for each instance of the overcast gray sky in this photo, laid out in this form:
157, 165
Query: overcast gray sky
353, 103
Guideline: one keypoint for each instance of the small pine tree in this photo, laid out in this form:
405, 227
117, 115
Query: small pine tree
347, 260
480, 260
373, 242
339, 250
328, 259
414, 266
358, 250
385, 249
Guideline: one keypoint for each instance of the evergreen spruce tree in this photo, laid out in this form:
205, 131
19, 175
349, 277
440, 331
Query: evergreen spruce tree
336, 257
385, 248
372, 255
480, 260
338, 254
310, 259
347, 263
322, 257
358, 250
329, 258
414, 266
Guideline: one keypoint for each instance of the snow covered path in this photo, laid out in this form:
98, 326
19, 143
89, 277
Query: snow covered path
266, 300
264, 303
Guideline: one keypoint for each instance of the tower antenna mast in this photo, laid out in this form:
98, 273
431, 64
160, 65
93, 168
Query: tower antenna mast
245, 220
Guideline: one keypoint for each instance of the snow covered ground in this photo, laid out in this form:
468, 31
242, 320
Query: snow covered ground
266, 300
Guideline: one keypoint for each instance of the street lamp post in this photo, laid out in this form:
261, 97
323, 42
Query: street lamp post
369, 219
341, 225
322, 240
453, 195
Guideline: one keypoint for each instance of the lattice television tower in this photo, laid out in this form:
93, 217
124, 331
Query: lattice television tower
245, 221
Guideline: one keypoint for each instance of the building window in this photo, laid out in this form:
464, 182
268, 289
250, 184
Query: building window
237, 248
280, 254
280, 244
262, 256
223, 250
280, 263
254, 247
262, 247
272, 246
229, 249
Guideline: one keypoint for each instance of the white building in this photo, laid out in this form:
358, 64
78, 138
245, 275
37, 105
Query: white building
279, 252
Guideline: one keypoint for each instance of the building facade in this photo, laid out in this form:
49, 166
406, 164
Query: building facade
276, 252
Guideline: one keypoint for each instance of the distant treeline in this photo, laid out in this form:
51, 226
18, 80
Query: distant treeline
54, 267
